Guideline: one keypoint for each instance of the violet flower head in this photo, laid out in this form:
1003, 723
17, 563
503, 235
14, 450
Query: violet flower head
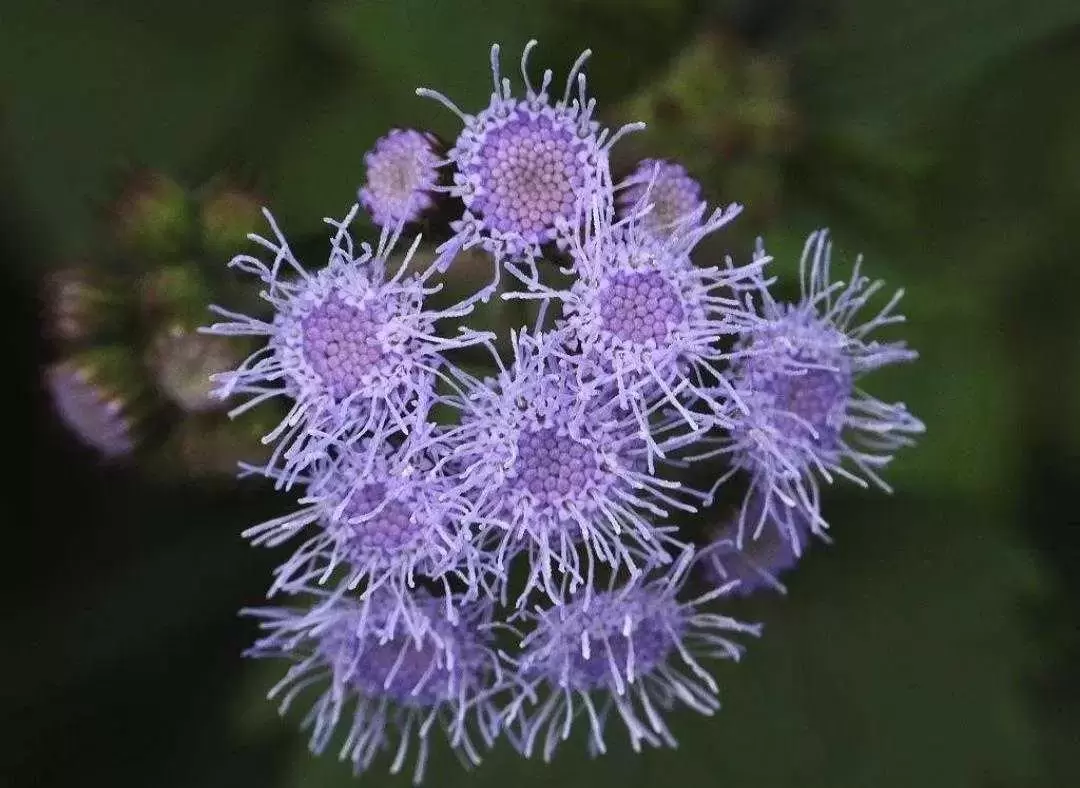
559, 473
642, 316
804, 418
633, 650
522, 165
402, 176
97, 416
758, 564
379, 520
665, 188
353, 345
386, 694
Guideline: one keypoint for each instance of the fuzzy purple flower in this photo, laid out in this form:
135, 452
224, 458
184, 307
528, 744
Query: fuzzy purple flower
632, 649
97, 416
522, 165
352, 345
383, 519
559, 472
402, 175
803, 416
665, 189
758, 564
641, 314
387, 694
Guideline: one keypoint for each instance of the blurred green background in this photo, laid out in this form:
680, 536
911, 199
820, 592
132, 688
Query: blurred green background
935, 644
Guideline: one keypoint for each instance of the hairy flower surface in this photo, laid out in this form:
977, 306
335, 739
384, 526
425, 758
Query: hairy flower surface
665, 189
633, 650
386, 693
559, 471
804, 418
402, 175
352, 345
643, 317
522, 165
382, 520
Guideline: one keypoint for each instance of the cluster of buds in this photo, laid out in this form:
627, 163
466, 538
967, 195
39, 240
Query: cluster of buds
133, 374
488, 544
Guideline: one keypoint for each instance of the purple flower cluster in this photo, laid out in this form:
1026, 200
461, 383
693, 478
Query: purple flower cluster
493, 549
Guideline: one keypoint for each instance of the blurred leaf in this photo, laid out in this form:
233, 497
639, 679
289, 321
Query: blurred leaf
890, 62
99, 86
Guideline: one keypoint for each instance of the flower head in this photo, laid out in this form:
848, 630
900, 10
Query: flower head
522, 165
632, 649
386, 693
773, 548
384, 518
91, 406
642, 316
402, 174
803, 416
559, 472
352, 345
665, 189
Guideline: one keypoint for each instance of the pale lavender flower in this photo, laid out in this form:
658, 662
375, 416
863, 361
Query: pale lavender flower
402, 175
559, 472
522, 165
758, 564
353, 345
632, 650
386, 694
665, 189
644, 317
803, 416
379, 520
97, 416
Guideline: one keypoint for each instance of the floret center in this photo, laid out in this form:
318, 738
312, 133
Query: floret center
341, 343
388, 532
554, 466
817, 397
651, 639
529, 174
640, 307
399, 669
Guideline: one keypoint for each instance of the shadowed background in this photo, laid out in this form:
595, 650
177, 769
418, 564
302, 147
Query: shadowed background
934, 644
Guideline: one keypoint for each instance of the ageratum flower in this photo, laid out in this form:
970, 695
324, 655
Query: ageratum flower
352, 345
97, 416
559, 471
386, 693
666, 187
383, 519
633, 650
804, 417
757, 565
641, 314
402, 173
522, 165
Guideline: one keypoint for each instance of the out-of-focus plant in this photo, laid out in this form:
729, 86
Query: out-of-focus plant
722, 109
131, 375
